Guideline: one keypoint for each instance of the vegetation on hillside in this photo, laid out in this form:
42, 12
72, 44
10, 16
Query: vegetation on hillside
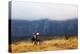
47, 45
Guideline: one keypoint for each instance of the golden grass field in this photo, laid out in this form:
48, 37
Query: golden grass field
47, 45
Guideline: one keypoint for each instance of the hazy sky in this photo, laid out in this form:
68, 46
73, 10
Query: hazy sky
34, 11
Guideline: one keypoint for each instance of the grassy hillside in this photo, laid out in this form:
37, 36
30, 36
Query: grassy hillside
47, 45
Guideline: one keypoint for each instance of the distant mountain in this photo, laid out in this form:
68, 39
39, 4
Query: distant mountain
25, 28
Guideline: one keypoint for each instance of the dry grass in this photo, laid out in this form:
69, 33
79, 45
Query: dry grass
57, 44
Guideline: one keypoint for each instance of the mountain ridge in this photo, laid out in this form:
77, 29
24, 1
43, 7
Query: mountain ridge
25, 28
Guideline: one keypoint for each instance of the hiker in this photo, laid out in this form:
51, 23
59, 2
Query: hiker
66, 37
35, 39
